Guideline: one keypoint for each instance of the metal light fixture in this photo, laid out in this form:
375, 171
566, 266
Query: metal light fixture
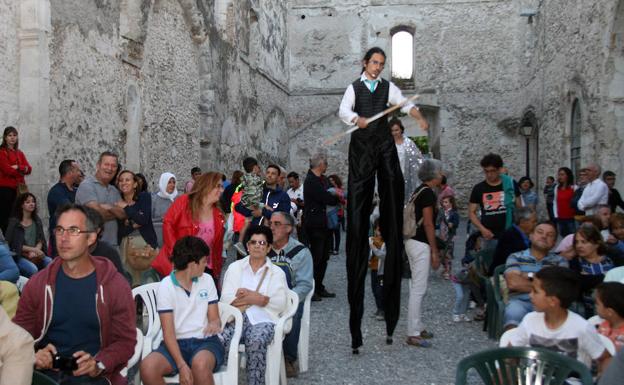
529, 13
527, 131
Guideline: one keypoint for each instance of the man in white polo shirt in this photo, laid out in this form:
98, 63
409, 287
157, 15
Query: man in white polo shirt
189, 314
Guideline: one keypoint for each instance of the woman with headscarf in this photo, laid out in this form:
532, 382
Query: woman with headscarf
410, 157
162, 200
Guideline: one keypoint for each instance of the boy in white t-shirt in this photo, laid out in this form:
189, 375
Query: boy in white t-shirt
187, 303
552, 325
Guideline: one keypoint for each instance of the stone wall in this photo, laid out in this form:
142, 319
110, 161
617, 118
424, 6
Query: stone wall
9, 69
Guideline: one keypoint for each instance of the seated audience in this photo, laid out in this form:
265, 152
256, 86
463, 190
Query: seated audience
9, 296
259, 289
591, 262
9, 271
16, 353
521, 268
102, 248
188, 308
25, 236
610, 307
615, 241
603, 213
516, 238
161, 201
79, 308
552, 325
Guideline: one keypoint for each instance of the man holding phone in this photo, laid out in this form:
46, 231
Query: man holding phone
79, 309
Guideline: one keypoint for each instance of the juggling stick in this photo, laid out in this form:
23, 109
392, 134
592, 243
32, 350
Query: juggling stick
333, 139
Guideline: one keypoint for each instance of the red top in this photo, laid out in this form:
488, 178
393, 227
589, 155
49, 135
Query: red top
10, 177
178, 223
564, 197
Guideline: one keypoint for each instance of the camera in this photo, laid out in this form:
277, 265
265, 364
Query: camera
64, 363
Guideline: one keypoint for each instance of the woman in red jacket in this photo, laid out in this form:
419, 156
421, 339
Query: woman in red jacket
13, 167
197, 214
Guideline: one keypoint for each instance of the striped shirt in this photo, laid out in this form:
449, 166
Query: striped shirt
524, 262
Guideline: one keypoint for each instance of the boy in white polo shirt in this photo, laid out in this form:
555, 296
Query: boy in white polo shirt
189, 314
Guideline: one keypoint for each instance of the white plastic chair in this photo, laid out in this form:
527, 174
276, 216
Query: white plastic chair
21, 282
136, 357
275, 373
303, 346
153, 337
595, 321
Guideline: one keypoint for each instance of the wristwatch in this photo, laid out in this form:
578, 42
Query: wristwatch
530, 276
101, 367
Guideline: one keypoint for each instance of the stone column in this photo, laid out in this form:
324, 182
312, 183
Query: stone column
34, 94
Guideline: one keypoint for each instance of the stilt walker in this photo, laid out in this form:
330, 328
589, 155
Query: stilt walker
372, 152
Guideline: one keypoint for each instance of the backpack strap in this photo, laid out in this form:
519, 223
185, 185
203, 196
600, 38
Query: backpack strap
294, 251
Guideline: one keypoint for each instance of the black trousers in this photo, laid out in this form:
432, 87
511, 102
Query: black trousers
320, 242
374, 153
7, 200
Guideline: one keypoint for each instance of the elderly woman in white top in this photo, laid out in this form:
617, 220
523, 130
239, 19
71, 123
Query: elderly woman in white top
257, 287
410, 157
161, 201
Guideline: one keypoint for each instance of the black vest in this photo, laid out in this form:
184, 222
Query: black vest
368, 103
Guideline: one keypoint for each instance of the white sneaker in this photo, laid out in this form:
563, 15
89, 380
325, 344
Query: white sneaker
457, 317
472, 304
465, 318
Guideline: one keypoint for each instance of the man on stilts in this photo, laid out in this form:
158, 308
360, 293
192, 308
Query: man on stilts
372, 151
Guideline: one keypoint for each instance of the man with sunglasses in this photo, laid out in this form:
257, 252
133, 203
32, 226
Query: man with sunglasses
79, 309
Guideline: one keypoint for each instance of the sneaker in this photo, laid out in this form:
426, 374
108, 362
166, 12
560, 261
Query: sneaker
465, 318
418, 342
472, 304
457, 317
240, 248
291, 369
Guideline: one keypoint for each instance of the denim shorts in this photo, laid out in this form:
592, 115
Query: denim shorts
191, 346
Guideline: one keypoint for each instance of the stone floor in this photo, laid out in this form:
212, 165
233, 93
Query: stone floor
331, 361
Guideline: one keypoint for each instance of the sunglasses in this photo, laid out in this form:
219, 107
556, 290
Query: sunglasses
253, 242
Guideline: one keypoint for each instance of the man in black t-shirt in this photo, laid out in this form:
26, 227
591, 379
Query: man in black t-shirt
489, 197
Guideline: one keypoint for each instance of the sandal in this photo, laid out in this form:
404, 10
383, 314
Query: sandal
418, 342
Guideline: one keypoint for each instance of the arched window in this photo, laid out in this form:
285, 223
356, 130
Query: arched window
402, 54
575, 138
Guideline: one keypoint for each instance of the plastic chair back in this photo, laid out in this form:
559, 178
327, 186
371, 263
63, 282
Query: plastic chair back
303, 346
41, 379
521, 366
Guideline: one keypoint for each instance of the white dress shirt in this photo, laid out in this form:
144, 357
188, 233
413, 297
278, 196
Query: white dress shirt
346, 113
594, 194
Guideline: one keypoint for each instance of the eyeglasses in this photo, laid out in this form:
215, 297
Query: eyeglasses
73, 231
253, 242
278, 224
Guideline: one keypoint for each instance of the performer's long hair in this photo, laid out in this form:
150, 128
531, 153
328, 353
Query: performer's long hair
370, 54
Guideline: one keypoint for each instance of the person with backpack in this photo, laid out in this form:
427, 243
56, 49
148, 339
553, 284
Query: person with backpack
296, 261
421, 247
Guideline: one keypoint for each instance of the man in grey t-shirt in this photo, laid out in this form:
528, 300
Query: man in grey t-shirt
98, 193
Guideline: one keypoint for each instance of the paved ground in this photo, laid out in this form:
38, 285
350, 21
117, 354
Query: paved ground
331, 361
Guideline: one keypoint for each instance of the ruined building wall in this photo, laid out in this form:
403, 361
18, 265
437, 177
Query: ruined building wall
9, 67
572, 50
465, 59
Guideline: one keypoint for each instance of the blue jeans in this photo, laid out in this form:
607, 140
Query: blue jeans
8, 269
377, 289
291, 341
566, 226
189, 347
28, 269
462, 298
515, 310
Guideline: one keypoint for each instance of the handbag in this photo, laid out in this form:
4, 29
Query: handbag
22, 188
136, 253
242, 308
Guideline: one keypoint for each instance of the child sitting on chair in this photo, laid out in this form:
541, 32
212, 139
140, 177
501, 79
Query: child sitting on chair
187, 303
610, 307
552, 325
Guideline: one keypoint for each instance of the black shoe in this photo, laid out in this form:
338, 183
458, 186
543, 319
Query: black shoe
326, 294
316, 297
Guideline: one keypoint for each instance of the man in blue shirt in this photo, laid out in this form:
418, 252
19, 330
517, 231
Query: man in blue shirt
62, 193
522, 266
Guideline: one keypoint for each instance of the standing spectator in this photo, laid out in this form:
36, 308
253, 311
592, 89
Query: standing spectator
528, 197
273, 199
25, 236
595, 192
496, 196
335, 214
549, 196
80, 306
226, 198
445, 190
563, 208
410, 156
422, 250
295, 193
196, 172
137, 238
296, 261
62, 193
161, 201
98, 193
252, 187
521, 268
378, 254
615, 199
13, 167
448, 222
195, 214
515, 238
141, 181
316, 199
